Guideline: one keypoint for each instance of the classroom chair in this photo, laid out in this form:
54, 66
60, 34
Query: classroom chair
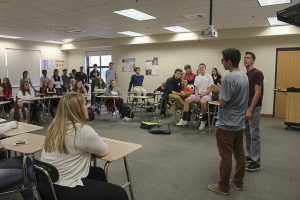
46, 175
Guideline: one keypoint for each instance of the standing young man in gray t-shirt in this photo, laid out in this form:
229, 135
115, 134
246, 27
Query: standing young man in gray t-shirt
233, 100
110, 74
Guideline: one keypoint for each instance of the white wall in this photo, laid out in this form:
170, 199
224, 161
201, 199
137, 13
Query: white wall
48, 52
174, 55
75, 59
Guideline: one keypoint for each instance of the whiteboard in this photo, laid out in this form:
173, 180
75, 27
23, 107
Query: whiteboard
19, 60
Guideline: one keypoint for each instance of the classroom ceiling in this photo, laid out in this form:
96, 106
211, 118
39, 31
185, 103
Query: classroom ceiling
41, 20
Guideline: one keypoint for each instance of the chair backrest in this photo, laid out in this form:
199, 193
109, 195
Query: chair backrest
45, 174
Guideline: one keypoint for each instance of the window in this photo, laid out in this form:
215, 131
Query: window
102, 62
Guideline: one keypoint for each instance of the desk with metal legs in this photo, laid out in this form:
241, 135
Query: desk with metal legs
33, 143
117, 150
22, 128
103, 97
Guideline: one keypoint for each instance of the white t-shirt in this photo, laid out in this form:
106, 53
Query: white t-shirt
75, 165
203, 82
27, 96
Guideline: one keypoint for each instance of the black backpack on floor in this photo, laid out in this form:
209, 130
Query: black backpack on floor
126, 112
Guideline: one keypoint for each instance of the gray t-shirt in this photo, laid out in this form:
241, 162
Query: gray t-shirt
111, 74
235, 92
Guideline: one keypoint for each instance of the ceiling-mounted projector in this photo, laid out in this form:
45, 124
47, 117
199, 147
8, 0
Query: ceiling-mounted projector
209, 32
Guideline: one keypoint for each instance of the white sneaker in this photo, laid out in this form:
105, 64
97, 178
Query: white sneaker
126, 119
182, 123
202, 125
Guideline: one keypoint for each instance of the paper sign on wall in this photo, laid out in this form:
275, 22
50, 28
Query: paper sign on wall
152, 66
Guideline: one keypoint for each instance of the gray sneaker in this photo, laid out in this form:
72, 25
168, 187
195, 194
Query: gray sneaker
215, 188
232, 184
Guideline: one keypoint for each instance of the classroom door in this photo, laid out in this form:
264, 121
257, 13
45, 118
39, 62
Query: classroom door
287, 75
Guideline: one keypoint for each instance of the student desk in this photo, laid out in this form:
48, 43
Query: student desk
143, 105
103, 97
216, 104
34, 143
129, 95
2, 120
97, 93
22, 128
117, 150
42, 98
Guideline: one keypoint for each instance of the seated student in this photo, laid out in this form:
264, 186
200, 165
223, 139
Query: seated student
7, 96
137, 83
173, 84
68, 146
113, 91
51, 91
202, 95
71, 85
11, 169
100, 84
43, 87
179, 97
79, 88
189, 75
35, 111
20, 113
100, 87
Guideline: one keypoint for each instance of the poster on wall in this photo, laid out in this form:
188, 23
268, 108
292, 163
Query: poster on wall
59, 64
128, 64
152, 66
48, 64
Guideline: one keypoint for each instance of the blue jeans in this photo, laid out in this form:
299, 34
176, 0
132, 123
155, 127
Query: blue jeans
252, 136
11, 171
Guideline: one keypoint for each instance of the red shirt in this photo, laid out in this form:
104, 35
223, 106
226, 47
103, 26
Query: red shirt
255, 77
190, 77
7, 93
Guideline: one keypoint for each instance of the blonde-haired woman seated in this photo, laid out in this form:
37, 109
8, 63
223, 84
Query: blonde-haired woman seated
68, 146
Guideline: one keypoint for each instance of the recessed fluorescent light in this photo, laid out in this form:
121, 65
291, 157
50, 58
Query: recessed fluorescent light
68, 40
177, 29
134, 14
10, 36
130, 33
55, 42
273, 21
272, 2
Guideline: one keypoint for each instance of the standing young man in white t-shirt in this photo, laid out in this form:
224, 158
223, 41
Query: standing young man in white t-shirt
202, 95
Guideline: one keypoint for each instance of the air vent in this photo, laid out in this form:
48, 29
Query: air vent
195, 16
